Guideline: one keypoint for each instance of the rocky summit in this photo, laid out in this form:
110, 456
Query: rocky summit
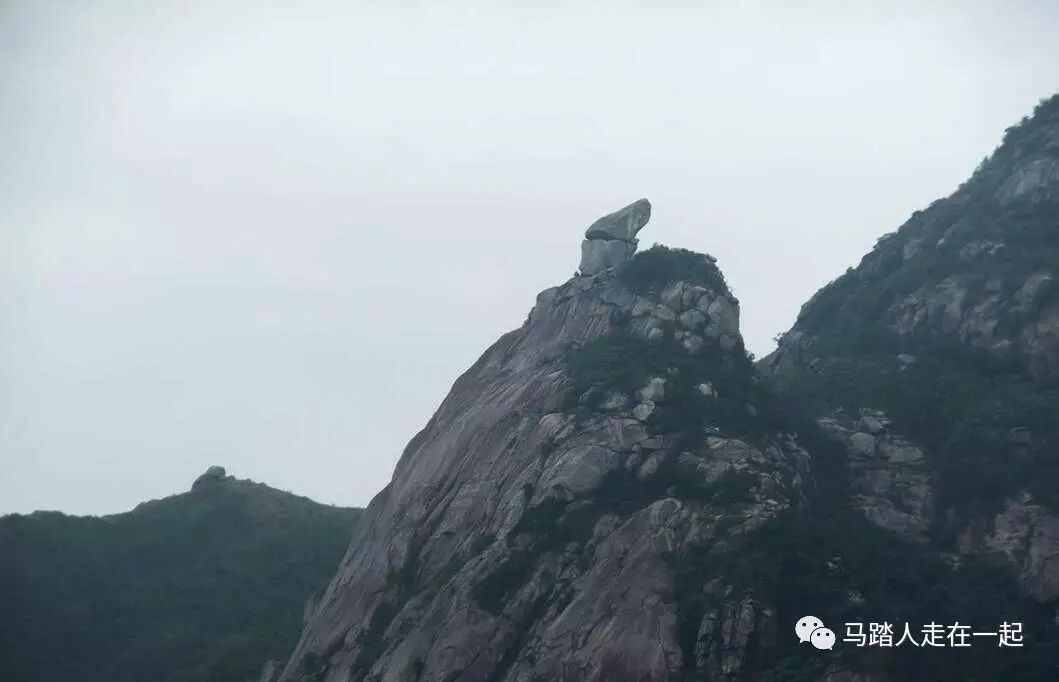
535, 528
611, 240
614, 491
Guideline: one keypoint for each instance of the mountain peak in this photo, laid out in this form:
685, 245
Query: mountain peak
621, 426
611, 240
213, 475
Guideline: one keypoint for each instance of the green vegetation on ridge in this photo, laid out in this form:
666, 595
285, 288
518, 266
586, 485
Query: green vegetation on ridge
206, 585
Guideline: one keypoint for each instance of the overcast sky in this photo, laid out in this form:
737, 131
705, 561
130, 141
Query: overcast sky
270, 238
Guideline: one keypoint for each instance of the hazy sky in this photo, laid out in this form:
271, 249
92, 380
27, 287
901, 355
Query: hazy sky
270, 237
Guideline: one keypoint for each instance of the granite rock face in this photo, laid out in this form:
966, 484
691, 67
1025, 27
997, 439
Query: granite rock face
212, 476
523, 538
623, 224
890, 482
611, 240
1025, 536
598, 255
606, 496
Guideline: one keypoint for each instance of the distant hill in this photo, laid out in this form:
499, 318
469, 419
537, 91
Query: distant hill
205, 585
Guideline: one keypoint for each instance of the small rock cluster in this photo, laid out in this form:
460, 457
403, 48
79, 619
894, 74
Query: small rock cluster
694, 313
891, 486
890, 478
213, 475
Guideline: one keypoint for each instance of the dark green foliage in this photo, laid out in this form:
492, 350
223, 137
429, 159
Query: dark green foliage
962, 406
206, 585
1027, 228
1027, 133
651, 270
624, 362
808, 561
401, 585
959, 402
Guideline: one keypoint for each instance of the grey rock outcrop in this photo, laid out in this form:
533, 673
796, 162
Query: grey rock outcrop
623, 224
598, 255
212, 476
269, 672
891, 485
520, 540
611, 240
1035, 177
890, 480
727, 633
1026, 536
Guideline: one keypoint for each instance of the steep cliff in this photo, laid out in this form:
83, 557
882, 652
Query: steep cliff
532, 529
935, 362
612, 493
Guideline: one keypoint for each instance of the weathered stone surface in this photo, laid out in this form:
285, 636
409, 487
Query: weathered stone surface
454, 572
309, 608
692, 320
577, 470
1032, 289
611, 240
1040, 343
665, 313
896, 451
723, 313
212, 475
890, 480
978, 249
644, 410
725, 634
873, 421
1027, 536
654, 390
598, 255
863, 444
269, 672
956, 308
1036, 176
615, 402
692, 343
623, 224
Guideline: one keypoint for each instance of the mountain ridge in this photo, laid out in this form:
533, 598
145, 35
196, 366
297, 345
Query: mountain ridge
611, 492
949, 330
204, 584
